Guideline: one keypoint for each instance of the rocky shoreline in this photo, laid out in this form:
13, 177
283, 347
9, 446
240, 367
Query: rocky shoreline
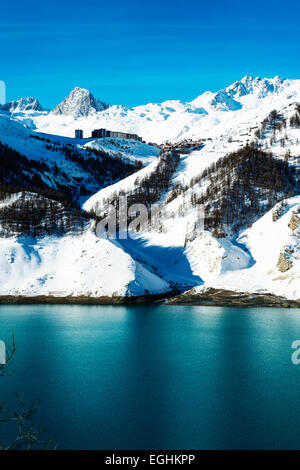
83, 299
210, 297
228, 298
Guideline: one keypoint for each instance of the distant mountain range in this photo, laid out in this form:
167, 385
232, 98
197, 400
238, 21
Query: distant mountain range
206, 115
22, 106
81, 103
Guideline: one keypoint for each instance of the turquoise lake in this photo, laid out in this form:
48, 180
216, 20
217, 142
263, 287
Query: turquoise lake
157, 377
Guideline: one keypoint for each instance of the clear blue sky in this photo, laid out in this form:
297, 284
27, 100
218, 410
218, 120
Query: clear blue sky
137, 51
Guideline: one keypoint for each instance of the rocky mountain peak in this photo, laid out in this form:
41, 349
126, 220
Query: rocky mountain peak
22, 105
79, 103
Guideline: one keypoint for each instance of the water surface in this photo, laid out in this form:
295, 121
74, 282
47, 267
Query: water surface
158, 377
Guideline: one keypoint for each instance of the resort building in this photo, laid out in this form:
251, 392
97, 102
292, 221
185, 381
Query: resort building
78, 134
100, 133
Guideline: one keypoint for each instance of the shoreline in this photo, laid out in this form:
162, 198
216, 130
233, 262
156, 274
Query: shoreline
227, 298
83, 299
210, 298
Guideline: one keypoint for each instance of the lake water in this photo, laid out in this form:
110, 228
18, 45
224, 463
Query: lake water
158, 377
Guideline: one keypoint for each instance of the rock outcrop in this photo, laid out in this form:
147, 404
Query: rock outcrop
294, 222
284, 262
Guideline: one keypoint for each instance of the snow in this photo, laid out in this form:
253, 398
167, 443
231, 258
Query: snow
210, 257
72, 265
126, 148
125, 185
264, 242
19, 135
162, 255
227, 263
178, 253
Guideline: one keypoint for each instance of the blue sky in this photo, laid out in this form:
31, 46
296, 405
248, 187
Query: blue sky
137, 51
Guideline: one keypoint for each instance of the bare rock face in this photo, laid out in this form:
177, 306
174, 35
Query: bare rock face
278, 211
294, 222
284, 262
79, 103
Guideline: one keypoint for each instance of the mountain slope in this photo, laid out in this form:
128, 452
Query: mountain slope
247, 179
274, 246
63, 164
225, 216
73, 265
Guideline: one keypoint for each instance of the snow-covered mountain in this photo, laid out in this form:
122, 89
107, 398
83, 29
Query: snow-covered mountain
80, 102
233, 97
244, 179
23, 105
239, 191
208, 115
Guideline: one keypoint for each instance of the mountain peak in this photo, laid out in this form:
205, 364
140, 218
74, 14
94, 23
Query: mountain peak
231, 98
79, 103
247, 78
260, 87
22, 105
